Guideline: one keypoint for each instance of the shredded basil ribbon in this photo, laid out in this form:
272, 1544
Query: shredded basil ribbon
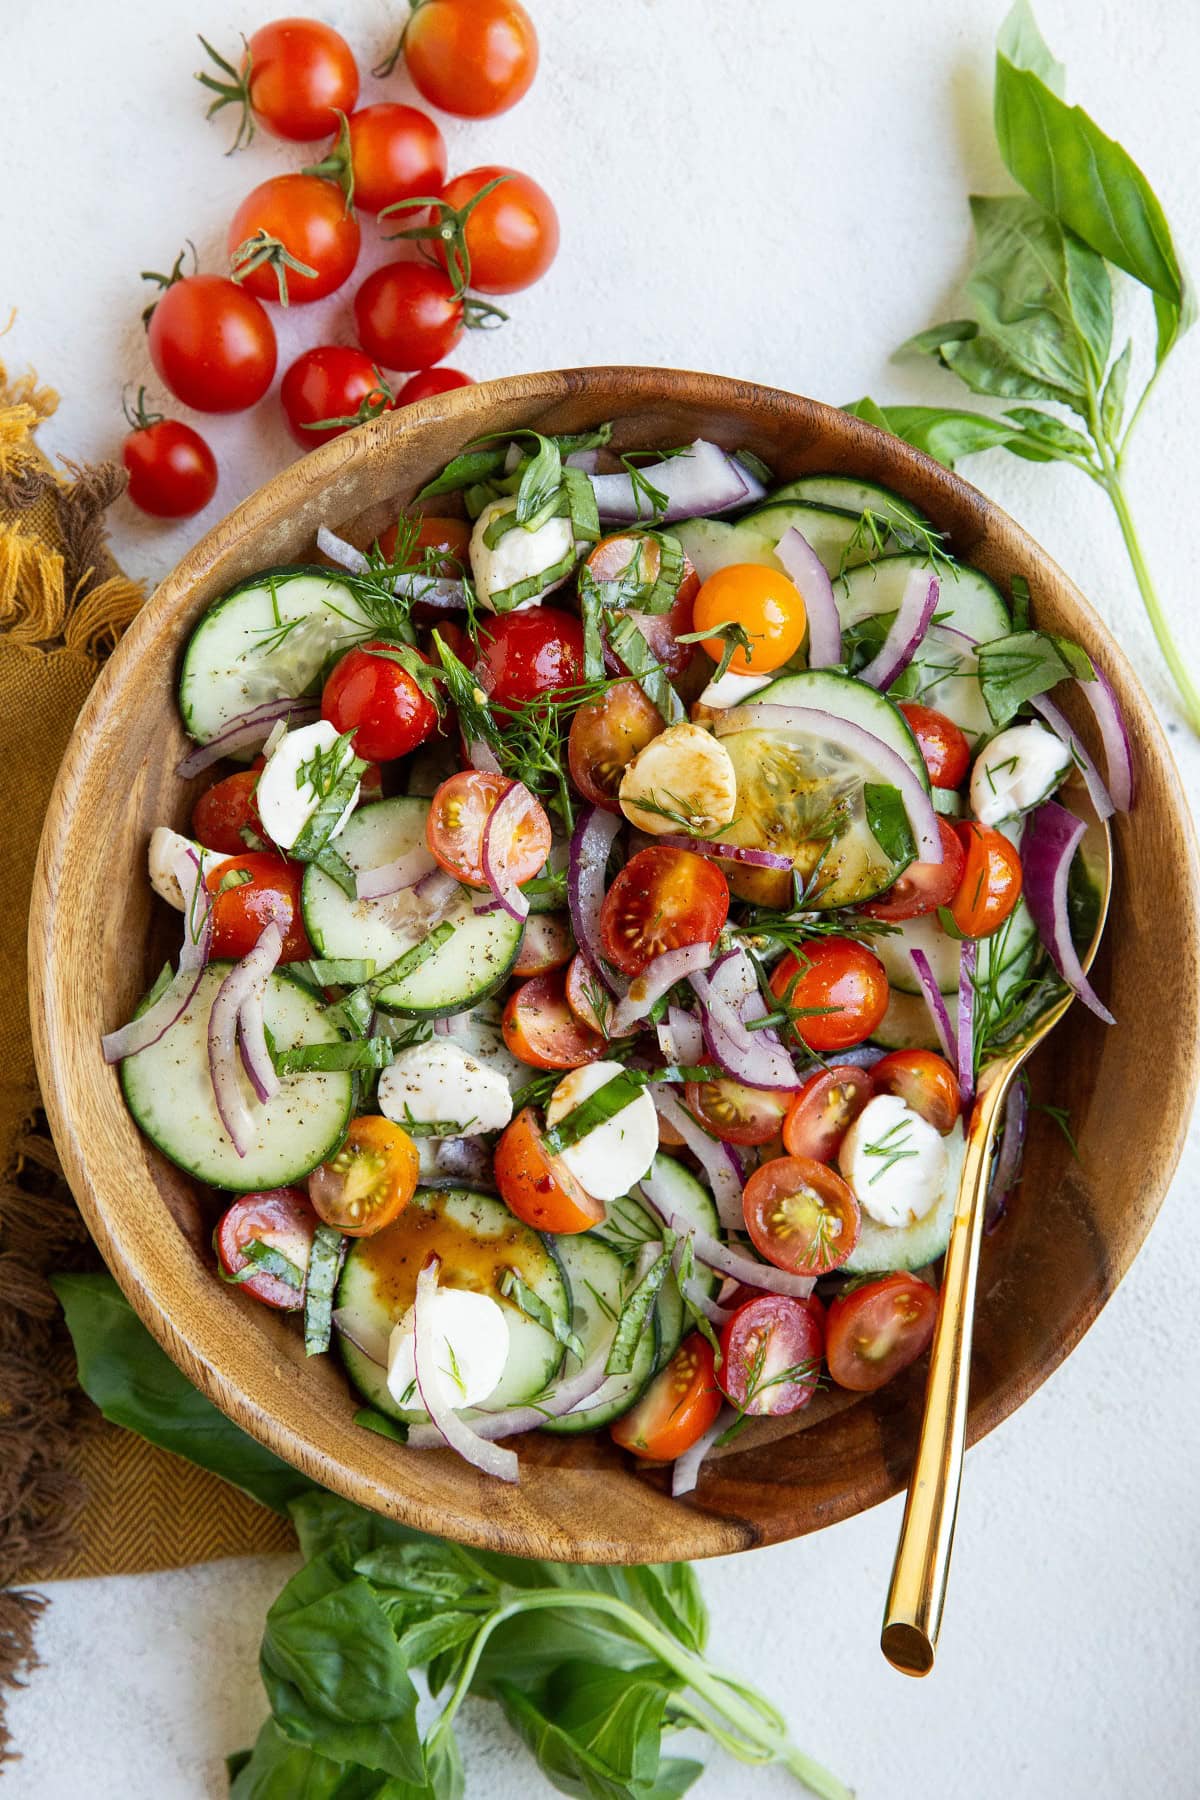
631, 646
324, 1262
326, 972
636, 1311
264, 1259
535, 1308
887, 820
355, 1008
618, 1092
363, 1053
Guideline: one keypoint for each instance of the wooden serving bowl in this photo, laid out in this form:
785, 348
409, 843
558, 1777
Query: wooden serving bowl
1046, 1272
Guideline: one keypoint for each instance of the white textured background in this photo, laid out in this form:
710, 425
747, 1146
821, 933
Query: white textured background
773, 190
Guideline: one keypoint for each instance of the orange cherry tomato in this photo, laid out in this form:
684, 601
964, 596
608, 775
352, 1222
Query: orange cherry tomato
924, 1081
991, 880
944, 747
677, 1408
242, 909
632, 557
661, 900
538, 1187
458, 814
474, 58
540, 1028
310, 218
605, 736
875, 1331
843, 982
368, 1182
450, 537
922, 887
824, 1110
768, 607
801, 1215
511, 234
735, 1113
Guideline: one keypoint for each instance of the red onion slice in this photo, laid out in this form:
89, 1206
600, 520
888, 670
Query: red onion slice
587, 460
1100, 797
966, 1020
587, 866
695, 1295
1048, 845
937, 1006
404, 872
499, 836
723, 1258
222, 1034
722, 1176
918, 604
451, 1427
757, 859
729, 1000
176, 997
654, 981
252, 1042
704, 479
686, 1471
681, 1037
247, 732
1118, 751
482, 756
340, 552
1007, 1171
811, 577
815, 722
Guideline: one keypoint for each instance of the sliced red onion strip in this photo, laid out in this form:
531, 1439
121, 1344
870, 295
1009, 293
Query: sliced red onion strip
499, 836
686, 1471
450, 1425
176, 997
863, 1056
1007, 1171
371, 1344
1048, 845
723, 1258
757, 859
1101, 799
654, 981
811, 576
695, 1295
815, 722
252, 1042
966, 1020
340, 552
918, 604
587, 865
937, 1006
247, 731
704, 479
1118, 751
722, 1177
681, 1037
482, 756
388, 878
729, 1000
222, 1034
587, 460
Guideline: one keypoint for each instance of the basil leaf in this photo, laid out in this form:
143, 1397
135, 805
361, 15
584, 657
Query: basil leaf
636, 1311
277, 1769
618, 1092
1020, 602
534, 1307
350, 1009
324, 1264
630, 645
541, 482
888, 822
943, 432
1052, 438
363, 1053
465, 470
323, 972
1112, 401
1015, 669
378, 1422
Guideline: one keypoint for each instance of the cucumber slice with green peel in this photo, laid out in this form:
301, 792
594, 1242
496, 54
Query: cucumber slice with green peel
469, 966
967, 600
693, 1202
619, 1392
477, 1239
712, 544
849, 494
882, 1248
1002, 963
168, 1089
596, 1278
267, 639
922, 933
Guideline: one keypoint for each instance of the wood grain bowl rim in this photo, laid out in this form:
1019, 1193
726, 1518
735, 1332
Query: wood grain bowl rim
689, 1531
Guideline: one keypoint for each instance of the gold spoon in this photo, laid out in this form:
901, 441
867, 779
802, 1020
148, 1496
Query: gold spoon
913, 1615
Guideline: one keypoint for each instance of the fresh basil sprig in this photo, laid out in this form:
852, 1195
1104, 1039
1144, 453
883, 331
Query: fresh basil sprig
1017, 668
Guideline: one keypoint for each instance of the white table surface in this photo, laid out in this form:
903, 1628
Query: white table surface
776, 191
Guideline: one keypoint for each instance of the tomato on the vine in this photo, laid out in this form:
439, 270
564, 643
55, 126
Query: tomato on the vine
823, 1111
838, 990
764, 603
332, 382
293, 220
991, 880
428, 382
511, 234
801, 1215
172, 471
678, 1407
474, 58
458, 816
371, 694
662, 899
294, 79
923, 886
771, 1354
407, 315
537, 1186
211, 342
391, 153
943, 745
876, 1330
283, 1220
530, 653
250, 890
368, 1182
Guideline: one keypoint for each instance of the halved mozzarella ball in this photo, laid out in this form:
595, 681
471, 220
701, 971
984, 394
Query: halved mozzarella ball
440, 1083
895, 1161
685, 772
1019, 768
609, 1160
286, 796
469, 1350
519, 555
166, 847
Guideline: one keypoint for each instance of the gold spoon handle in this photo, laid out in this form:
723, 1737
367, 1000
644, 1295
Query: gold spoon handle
913, 1614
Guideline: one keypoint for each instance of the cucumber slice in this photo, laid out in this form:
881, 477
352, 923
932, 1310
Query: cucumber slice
922, 933
852, 495
713, 543
619, 1392
168, 1090
695, 1204
267, 639
908, 1024
464, 970
789, 785
967, 600
882, 1248
477, 1239
1003, 961
944, 674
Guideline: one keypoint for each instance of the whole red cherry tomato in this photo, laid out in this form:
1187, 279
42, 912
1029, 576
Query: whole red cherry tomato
369, 693
333, 382
475, 58
294, 79
211, 342
510, 232
428, 382
531, 653
389, 152
293, 220
172, 471
407, 315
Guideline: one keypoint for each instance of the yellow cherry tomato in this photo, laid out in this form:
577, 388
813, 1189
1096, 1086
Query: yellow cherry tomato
767, 606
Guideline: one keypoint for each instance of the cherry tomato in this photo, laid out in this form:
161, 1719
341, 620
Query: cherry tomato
735, 1113
455, 825
923, 887
605, 736
281, 1218
876, 1330
611, 560
227, 809
407, 315
241, 911
172, 471
924, 1081
661, 900
332, 381
212, 344
309, 218
547, 944
678, 1407
396, 153
451, 536
530, 653
771, 1354
587, 996
368, 1182
428, 382
800, 1215
538, 1187
474, 58
991, 880
295, 77
944, 747
845, 984
823, 1111
511, 234
541, 1029
379, 701
767, 606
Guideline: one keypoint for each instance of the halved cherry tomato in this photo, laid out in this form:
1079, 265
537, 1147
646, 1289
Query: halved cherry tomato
768, 607
944, 747
661, 900
450, 536
801, 1215
824, 1110
474, 58
923, 887
310, 219
368, 1182
677, 1408
226, 810
540, 1028
281, 1218
330, 381
735, 1113
587, 996
991, 880
369, 693
427, 382
605, 736
242, 909
511, 234
771, 1354
458, 814
538, 1187
875, 1331
527, 654
547, 944
924, 1081
212, 344
297, 75
637, 558
844, 983
396, 153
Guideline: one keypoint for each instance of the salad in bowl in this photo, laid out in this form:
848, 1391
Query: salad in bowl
603, 892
